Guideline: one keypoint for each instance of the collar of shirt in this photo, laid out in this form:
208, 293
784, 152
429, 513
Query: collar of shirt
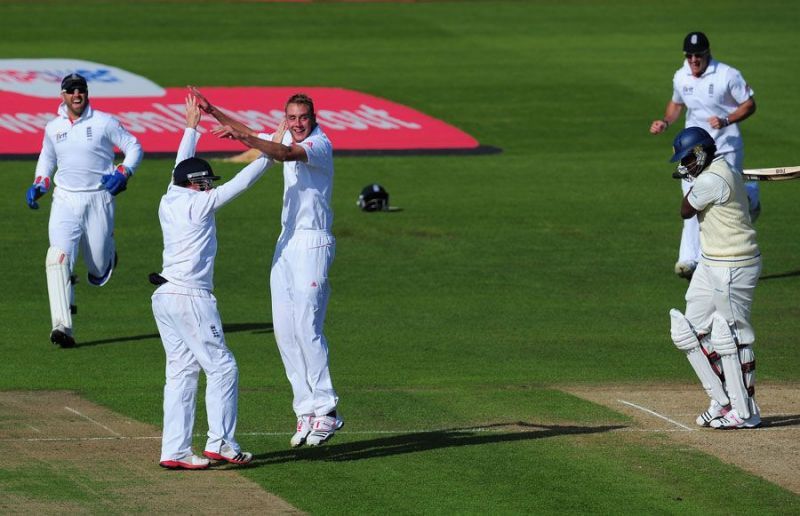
87, 113
711, 68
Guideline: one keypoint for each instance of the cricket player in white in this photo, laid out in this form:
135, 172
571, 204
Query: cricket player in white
80, 144
715, 332
717, 99
186, 310
303, 255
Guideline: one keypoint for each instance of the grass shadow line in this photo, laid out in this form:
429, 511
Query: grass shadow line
426, 441
226, 328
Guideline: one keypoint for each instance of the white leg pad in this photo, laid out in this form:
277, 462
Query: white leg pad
59, 288
724, 343
686, 340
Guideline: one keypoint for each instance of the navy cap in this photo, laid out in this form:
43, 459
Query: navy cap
191, 169
72, 81
696, 43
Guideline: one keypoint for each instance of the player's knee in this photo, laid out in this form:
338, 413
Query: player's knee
683, 336
56, 257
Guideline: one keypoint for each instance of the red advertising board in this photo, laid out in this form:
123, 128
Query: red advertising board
355, 122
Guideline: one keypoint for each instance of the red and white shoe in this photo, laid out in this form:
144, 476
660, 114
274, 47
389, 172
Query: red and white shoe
323, 429
190, 461
304, 423
228, 454
732, 421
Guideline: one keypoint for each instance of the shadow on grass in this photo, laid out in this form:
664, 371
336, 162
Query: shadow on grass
424, 441
226, 328
783, 420
780, 275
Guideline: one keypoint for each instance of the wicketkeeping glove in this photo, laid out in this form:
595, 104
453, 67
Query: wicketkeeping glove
36, 190
117, 181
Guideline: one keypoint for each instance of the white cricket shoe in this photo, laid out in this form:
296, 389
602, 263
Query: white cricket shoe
732, 421
304, 423
228, 454
685, 269
189, 461
715, 411
323, 429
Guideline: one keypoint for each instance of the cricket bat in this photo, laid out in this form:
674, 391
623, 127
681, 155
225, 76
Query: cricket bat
771, 174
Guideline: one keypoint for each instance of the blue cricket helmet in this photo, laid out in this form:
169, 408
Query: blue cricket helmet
688, 140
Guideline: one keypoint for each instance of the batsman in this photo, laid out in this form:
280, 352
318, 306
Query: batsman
715, 332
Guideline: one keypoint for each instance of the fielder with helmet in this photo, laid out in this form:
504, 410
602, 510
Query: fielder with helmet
715, 332
303, 255
717, 99
80, 144
186, 310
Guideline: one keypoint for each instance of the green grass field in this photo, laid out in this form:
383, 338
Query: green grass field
504, 277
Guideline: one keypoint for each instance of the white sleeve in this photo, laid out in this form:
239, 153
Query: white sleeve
708, 188
241, 181
188, 145
740, 90
318, 151
127, 143
47, 159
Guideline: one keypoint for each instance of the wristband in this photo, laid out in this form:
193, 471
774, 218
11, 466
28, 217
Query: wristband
665, 121
726, 122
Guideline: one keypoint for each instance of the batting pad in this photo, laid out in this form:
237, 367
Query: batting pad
724, 343
686, 340
58, 287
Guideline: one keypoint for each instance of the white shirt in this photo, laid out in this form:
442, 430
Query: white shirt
307, 187
188, 222
83, 150
718, 92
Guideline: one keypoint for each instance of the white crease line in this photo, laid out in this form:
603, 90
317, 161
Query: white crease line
665, 418
101, 425
33, 428
376, 432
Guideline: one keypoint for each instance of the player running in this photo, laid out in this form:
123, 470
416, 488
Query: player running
80, 143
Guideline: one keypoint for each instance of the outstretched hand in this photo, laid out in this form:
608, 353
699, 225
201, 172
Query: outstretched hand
192, 112
202, 102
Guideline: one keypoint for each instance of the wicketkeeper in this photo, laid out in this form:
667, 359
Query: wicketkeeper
80, 142
715, 333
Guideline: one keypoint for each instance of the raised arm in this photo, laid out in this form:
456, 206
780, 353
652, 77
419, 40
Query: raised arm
188, 144
275, 150
221, 117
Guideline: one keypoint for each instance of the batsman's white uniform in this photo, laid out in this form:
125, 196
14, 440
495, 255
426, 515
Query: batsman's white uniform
718, 92
299, 276
723, 285
186, 311
82, 212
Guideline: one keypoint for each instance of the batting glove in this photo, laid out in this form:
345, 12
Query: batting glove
36, 191
117, 181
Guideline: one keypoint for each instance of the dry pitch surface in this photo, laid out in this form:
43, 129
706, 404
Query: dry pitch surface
117, 457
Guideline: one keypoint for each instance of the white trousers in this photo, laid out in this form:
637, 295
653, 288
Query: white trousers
300, 291
689, 250
727, 290
191, 332
84, 221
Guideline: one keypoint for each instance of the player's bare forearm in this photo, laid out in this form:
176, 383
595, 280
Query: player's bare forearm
222, 117
274, 150
671, 114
